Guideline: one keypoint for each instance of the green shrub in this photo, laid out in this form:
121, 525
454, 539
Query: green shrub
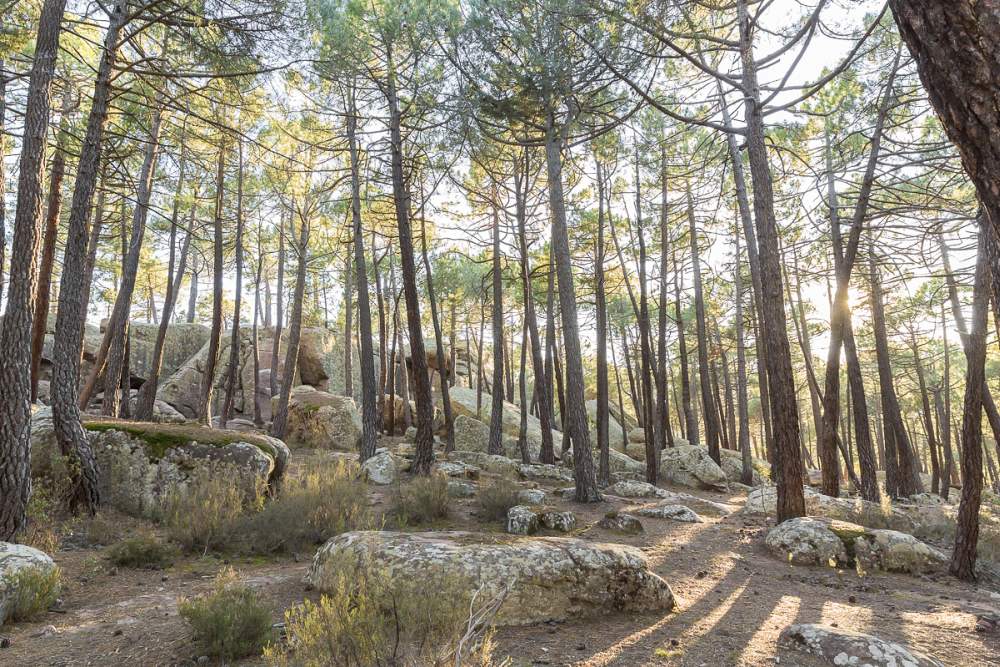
102, 530
35, 590
230, 622
42, 510
324, 502
423, 499
205, 515
371, 619
496, 498
143, 551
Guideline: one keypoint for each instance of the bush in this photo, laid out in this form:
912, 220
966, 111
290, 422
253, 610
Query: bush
371, 619
43, 507
496, 498
143, 551
326, 501
102, 530
230, 622
422, 500
35, 590
204, 516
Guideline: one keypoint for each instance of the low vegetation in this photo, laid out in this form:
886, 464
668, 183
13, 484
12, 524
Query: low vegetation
231, 621
142, 551
35, 589
422, 500
496, 498
205, 515
371, 619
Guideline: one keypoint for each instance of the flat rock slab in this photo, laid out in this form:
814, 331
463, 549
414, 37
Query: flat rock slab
546, 578
845, 648
670, 511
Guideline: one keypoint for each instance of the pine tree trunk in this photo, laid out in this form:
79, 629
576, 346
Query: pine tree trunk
690, 421
3, 172
603, 444
575, 414
279, 421
15, 335
746, 472
279, 302
781, 380
665, 435
652, 446
708, 407
232, 369
496, 317
208, 375
77, 261
44, 289
369, 407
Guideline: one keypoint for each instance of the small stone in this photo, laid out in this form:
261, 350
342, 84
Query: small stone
852, 599
622, 523
203, 659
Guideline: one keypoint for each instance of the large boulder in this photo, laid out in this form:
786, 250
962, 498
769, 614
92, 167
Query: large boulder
494, 463
806, 541
893, 551
546, 578
182, 388
732, 465
618, 463
383, 468
842, 647
320, 420
15, 560
142, 464
616, 434
183, 340
691, 466
670, 511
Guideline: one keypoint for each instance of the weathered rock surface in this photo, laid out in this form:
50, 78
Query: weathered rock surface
463, 403
472, 435
563, 522
493, 463
522, 520
618, 463
732, 465
320, 420
670, 511
15, 559
764, 500
460, 489
806, 541
383, 468
691, 466
454, 469
531, 496
621, 523
549, 578
544, 471
893, 551
635, 489
845, 648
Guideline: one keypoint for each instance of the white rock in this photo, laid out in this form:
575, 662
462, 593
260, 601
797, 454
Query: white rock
563, 522
691, 466
531, 496
459, 489
383, 468
670, 511
621, 523
842, 647
893, 551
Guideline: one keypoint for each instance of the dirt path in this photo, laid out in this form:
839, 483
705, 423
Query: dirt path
733, 600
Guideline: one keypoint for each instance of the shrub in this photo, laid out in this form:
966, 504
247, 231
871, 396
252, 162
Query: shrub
371, 619
230, 622
102, 530
422, 500
204, 516
43, 506
326, 501
496, 498
143, 551
35, 589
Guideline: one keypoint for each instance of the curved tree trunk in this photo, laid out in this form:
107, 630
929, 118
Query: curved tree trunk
279, 423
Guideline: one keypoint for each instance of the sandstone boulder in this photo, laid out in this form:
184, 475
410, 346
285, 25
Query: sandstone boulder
320, 420
842, 647
16, 560
546, 578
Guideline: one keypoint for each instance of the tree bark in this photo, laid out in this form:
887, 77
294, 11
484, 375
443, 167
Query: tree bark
781, 380
575, 414
603, 445
279, 300
279, 421
495, 445
963, 559
71, 315
15, 335
215, 335
232, 369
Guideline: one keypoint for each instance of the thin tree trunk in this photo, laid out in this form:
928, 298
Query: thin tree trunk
645, 344
234, 345
348, 327
925, 403
746, 473
496, 404
690, 421
208, 375
279, 300
603, 444
665, 435
576, 413
44, 289
963, 559
279, 422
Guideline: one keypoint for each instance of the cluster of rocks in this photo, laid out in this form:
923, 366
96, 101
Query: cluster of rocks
526, 520
819, 541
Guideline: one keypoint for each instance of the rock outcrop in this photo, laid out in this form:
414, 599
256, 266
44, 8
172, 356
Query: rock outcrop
670, 511
320, 420
688, 465
842, 647
545, 578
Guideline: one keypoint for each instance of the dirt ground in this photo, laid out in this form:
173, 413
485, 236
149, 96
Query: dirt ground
733, 600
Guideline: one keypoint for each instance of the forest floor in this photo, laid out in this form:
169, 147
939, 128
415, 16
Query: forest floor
733, 600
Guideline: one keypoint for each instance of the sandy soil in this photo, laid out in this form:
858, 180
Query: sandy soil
733, 600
